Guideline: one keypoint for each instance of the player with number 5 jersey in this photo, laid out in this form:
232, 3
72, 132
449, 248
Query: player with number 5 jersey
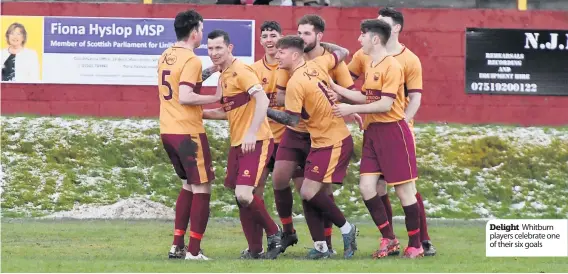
183, 135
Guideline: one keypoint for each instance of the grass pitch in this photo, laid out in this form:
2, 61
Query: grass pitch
142, 246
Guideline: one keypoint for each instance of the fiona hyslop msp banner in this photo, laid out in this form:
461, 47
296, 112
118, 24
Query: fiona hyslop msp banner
124, 51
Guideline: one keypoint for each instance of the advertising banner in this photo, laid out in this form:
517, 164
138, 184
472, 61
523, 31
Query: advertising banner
102, 51
516, 61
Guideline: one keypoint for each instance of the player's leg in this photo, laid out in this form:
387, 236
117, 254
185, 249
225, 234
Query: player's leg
429, 248
193, 151
382, 191
327, 223
251, 167
388, 243
182, 214
283, 172
370, 170
255, 250
315, 220
412, 219
325, 166
248, 223
288, 157
398, 163
184, 200
318, 223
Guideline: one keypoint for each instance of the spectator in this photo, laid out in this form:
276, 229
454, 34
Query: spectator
229, 2
306, 2
243, 2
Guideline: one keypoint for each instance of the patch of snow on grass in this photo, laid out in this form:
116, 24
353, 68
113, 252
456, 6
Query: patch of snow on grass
133, 208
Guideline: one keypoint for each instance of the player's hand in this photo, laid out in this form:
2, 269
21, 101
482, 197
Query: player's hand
332, 84
219, 90
214, 68
249, 143
333, 96
354, 118
342, 110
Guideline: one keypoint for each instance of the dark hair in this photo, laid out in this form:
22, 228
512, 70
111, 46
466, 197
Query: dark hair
219, 33
395, 15
185, 22
378, 27
12, 28
290, 41
270, 25
314, 20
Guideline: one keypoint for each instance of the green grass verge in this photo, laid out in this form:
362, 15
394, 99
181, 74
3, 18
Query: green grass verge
142, 246
51, 164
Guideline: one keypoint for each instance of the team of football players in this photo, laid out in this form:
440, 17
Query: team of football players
287, 114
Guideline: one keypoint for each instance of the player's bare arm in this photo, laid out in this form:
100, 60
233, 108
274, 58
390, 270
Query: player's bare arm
283, 117
383, 105
340, 52
262, 102
208, 72
414, 84
214, 114
188, 97
413, 105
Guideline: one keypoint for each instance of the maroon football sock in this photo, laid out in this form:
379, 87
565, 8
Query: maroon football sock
412, 221
377, 211
329, 209
249, 226
199, 217
284, 202
258, 233
314, 219
328, 226
423, 225
388, 207
261, 216
183, 210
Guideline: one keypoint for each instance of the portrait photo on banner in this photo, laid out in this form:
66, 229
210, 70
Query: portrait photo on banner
22, 49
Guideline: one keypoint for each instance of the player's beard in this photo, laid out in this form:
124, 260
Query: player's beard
309, 47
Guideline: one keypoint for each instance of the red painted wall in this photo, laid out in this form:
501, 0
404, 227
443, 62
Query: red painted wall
437, 36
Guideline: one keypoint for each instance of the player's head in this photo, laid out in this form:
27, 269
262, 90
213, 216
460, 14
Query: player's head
311, 28
189, 27
290, 50
219, 46
270, 32
394, 18
374, 33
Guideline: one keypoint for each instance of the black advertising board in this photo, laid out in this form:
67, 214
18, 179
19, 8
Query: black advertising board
516, 61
